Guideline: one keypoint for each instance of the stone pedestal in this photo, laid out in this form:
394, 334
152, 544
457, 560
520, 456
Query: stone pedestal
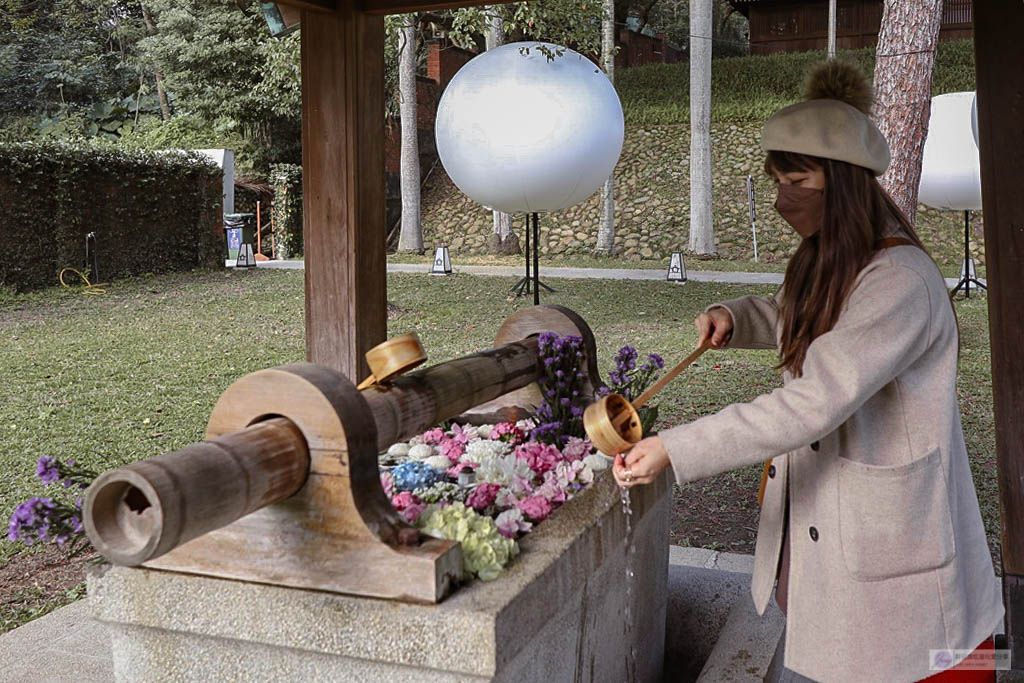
557, 613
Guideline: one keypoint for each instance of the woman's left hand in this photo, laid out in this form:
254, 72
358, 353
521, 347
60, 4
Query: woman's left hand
641, 464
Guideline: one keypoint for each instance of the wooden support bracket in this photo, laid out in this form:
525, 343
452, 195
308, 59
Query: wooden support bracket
339, 533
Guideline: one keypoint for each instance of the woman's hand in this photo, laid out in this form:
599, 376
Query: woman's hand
642, 464
715, 324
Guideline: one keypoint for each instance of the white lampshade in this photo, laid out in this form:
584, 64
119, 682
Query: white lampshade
518, 132
950, 168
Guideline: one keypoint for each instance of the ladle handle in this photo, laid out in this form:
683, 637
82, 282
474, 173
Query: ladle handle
366, 382
660, 384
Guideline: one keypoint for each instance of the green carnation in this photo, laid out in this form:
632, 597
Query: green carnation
486, 552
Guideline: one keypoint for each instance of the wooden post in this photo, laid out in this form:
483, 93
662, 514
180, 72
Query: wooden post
343, 187
998, 26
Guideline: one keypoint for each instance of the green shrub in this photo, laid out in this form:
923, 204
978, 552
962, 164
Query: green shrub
286, 180
752, 88
150, 211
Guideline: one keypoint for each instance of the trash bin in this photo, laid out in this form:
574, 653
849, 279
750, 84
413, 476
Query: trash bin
239, 229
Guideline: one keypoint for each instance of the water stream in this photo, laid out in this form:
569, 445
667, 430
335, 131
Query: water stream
627, 509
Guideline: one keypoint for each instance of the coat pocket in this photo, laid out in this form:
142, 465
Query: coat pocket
894, 520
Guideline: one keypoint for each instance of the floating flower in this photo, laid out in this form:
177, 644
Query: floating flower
504, 470
535, 508
576, 448
414, 475
598, 462
399, 450
511, 522
480, 450
485, 551
482, 497
387, 483
442, 491
541, 457
438, 462
420, 451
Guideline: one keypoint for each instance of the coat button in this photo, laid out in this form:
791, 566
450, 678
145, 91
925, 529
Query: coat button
771, 471
816, 445
814, 534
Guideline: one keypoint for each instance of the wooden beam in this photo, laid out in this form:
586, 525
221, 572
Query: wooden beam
311, 5
999, 24
406, 6
343, 187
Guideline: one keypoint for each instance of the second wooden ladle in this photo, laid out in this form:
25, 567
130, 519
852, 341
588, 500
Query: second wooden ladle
612, 423
392, 358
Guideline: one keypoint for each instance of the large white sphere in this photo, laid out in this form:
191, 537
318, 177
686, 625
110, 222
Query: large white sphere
950, 168
519, 133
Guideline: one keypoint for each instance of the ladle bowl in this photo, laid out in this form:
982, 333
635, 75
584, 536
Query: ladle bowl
392, 358
612, 424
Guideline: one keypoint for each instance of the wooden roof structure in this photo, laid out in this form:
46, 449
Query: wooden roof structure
343, 208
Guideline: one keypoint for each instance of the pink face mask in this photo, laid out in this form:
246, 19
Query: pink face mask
802, 207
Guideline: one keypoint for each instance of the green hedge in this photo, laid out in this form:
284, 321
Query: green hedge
151, 211
752, 88
286, 180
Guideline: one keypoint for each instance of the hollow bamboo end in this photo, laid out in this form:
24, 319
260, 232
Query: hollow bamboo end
612, 424
123, 517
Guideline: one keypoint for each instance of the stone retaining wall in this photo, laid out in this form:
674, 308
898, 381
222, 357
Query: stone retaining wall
652, 205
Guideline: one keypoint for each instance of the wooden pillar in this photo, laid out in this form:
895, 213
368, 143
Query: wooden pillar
998, 27
343, 186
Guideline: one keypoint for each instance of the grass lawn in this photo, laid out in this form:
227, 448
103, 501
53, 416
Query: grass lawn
133, 374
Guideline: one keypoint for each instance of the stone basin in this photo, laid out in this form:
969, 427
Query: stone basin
557, 613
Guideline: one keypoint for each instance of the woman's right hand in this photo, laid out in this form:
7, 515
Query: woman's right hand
715, 324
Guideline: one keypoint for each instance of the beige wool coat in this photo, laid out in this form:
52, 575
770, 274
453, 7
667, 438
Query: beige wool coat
889, 558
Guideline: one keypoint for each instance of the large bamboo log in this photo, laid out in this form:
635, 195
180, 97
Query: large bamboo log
141, 511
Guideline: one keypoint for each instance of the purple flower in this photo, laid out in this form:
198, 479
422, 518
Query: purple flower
47, 469
657, 360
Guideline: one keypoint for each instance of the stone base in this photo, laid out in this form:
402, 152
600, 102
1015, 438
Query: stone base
557, 613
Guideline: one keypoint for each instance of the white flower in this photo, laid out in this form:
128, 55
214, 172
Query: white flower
484, 431
598, 462
526, 425
399, 449
480, 450
505, 470
511, 521
421, 451
438, 462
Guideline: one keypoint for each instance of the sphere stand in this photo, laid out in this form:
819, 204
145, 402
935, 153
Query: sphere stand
967, 278
527, 284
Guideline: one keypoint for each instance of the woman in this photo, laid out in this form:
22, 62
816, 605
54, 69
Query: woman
870, 520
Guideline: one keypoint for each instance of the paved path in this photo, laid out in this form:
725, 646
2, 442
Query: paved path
577, 273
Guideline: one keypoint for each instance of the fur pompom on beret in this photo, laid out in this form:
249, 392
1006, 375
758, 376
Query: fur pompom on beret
833, 121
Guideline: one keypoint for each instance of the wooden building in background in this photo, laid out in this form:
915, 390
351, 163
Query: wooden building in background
791, 26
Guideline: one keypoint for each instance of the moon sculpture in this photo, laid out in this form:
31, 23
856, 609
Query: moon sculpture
519, 132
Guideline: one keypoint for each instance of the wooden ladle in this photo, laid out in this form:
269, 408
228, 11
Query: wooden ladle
392, 358
612, 423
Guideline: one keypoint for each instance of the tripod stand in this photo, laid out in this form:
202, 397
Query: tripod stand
968, 277
526, 284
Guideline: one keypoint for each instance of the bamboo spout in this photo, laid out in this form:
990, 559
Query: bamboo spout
141, 511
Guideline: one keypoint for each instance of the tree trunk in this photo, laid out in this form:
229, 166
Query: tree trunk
903, 91
702, 228
165, 107
495, 38
606, 230
410, 238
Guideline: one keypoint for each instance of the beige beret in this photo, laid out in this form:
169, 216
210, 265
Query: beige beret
830, 129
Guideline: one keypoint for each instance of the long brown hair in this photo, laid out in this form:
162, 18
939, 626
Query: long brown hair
820, 275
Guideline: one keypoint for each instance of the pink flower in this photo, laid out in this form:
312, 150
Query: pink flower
387, 483
403, 500
453, 449
510, 522
541, 457
434, 436
482, 497
460, 467
536, 508
576, 449
507, 431
411, 513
